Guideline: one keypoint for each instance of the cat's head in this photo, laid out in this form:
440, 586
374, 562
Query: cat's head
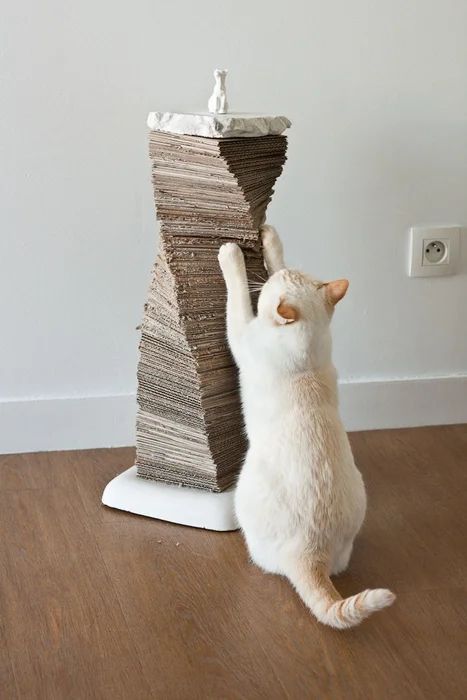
298, 309
291, 297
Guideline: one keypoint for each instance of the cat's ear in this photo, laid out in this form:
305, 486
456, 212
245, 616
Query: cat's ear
285, 313
336, 290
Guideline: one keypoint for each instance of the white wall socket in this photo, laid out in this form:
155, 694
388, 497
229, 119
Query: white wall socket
433, 250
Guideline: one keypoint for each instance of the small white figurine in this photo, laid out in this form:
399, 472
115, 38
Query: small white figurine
218, 101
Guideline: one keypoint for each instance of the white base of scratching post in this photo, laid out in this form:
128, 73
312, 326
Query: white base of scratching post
177, 504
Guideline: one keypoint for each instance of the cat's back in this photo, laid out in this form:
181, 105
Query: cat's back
297, 441
295, 409
299, 470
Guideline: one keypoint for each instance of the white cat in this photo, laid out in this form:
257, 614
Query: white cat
300, 499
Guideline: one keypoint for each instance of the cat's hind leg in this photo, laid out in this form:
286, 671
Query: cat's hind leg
263, 555
341, 558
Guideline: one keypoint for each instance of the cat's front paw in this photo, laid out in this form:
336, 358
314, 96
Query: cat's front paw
269, 236
272, 249
230, 257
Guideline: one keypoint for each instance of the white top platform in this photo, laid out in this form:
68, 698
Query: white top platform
177, 504
218, 125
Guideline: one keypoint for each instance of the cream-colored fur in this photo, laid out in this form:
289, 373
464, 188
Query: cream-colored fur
300, 499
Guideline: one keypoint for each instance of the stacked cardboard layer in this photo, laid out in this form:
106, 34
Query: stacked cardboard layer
207, 191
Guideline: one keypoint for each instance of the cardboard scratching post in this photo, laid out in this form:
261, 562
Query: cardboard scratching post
208, 190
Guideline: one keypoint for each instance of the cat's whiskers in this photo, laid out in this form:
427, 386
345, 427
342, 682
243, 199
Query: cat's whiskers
259, 277
256, 285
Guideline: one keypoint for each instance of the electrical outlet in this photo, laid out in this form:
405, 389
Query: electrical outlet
434, 250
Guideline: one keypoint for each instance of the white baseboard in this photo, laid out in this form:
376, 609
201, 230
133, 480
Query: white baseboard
403, 403
37, 425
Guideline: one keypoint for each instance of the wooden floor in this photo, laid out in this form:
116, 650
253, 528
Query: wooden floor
101, 604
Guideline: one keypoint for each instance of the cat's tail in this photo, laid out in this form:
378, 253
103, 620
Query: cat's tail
312, 582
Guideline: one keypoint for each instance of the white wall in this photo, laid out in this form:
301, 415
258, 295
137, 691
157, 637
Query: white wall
377, 95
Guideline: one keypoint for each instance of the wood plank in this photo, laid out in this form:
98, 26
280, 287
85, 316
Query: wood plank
100, 603
179, 594
65, 632
7, 677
